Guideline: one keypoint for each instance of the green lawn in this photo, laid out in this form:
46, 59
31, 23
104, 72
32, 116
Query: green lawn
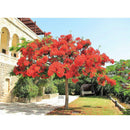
91, 105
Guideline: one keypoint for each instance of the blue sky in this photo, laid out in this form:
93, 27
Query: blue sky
112, 34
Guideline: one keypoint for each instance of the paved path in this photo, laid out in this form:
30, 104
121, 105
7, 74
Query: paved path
38, 108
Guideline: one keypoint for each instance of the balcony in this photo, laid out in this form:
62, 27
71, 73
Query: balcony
8, 59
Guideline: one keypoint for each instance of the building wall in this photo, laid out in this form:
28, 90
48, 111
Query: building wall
7, 61
7, 82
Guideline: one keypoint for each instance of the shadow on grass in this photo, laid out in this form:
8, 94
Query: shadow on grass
92, 106
93, 96
63, 111
70, 108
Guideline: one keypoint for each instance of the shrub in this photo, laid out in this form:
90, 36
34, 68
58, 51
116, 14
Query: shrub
40, 83
33, 91
121, 93
72, 88
50, 87
25, 88
40, 91
120, 72
77, 89
61, 88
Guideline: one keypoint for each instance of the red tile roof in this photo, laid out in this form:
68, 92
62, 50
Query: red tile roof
32, 25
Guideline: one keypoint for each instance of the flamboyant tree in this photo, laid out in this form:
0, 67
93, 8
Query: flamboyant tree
66, 57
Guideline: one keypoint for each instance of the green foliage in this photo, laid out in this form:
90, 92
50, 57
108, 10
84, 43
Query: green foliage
20, 45
75, 88
93, 81
40, 91
12, 48
51, 89
127, 112
40, 83
61, 88
31, 87
33, 90
50, 86
119, 72
12, 73
25, 88
120, 92
72, 88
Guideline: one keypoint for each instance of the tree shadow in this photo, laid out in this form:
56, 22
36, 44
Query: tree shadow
92, 106
93, 96
63, 111
27, 109
70, 108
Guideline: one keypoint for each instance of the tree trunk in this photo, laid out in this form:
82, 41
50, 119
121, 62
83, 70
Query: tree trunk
66, 94
102, 91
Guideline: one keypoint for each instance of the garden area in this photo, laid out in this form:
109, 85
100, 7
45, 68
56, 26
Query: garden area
63, 66
90, 105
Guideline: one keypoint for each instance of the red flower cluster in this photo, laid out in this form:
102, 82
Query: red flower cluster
48, 33
79, 60
56, 67
63, 57
102, 79
75, 80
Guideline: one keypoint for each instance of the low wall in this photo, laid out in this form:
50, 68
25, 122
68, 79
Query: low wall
48, 96
35, 99
25, 100
117, 104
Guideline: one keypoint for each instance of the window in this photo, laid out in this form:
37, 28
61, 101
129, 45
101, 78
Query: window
3, 51
15, 40
4, 46
7, 84
15, 55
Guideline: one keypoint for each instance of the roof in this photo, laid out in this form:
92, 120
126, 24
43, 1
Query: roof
32, 25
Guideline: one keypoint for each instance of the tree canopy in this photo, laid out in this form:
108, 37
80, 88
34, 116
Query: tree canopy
65, 57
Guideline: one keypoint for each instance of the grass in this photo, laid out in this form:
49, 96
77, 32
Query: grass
91, 105
127, 112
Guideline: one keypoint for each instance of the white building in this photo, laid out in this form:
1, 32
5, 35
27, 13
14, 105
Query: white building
11, 30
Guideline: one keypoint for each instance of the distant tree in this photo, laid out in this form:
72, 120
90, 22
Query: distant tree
120, 68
